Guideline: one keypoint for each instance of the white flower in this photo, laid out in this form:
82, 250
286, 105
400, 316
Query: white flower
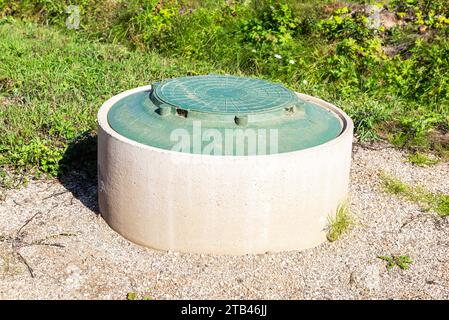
278, 56
254, 50
304, 82
291, 61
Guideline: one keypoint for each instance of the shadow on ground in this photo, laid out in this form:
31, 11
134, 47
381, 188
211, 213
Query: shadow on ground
79, 169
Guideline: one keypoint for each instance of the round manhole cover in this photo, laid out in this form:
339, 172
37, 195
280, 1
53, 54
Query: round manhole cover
224, 94
269, 117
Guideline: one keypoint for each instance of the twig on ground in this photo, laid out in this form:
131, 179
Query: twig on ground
17, 241
25, 262
55, 194
19, 231
41, 242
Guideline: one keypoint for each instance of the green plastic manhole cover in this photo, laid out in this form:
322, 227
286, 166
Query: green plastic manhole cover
224, 94
223, 115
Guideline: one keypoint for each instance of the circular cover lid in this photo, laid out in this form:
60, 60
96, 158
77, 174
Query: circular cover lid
223, 115
224, 94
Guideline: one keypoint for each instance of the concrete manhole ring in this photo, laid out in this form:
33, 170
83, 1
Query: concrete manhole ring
221, 201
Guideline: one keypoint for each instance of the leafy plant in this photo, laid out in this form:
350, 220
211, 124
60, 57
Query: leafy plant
274, 23
422, 12
423, 75
345, 23
402, 262
37, 153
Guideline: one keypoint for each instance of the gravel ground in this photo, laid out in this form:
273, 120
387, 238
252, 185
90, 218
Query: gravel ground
89, 261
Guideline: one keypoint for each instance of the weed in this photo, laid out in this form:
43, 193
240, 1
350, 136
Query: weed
339, 223
134, 296
395, 186
131, 296
345, 24
402, 262
421, 160
442, 204
427, 200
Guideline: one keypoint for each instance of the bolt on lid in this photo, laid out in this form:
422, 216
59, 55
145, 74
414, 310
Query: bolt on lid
223, 115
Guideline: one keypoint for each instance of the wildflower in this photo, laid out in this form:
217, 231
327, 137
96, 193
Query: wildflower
278, 56
305, 82
291, 61
182, 10
254, 51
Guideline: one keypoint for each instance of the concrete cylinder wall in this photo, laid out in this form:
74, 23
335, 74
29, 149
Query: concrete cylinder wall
221, 204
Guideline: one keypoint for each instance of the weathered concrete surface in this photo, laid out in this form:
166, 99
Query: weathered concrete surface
221, 204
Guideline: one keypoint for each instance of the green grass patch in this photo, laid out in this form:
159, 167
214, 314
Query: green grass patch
402, 262
437, 202
339, 224
442, 204
421, 160
51, 86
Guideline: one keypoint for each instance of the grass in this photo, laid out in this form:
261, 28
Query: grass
51, 86
421, 160
427, 200
53, 80
339, 223
402, 262
397, 187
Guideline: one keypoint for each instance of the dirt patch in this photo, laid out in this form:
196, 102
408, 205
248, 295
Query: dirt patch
389, 20
6, 84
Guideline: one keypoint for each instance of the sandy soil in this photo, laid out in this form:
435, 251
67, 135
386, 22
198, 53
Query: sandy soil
73, 253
